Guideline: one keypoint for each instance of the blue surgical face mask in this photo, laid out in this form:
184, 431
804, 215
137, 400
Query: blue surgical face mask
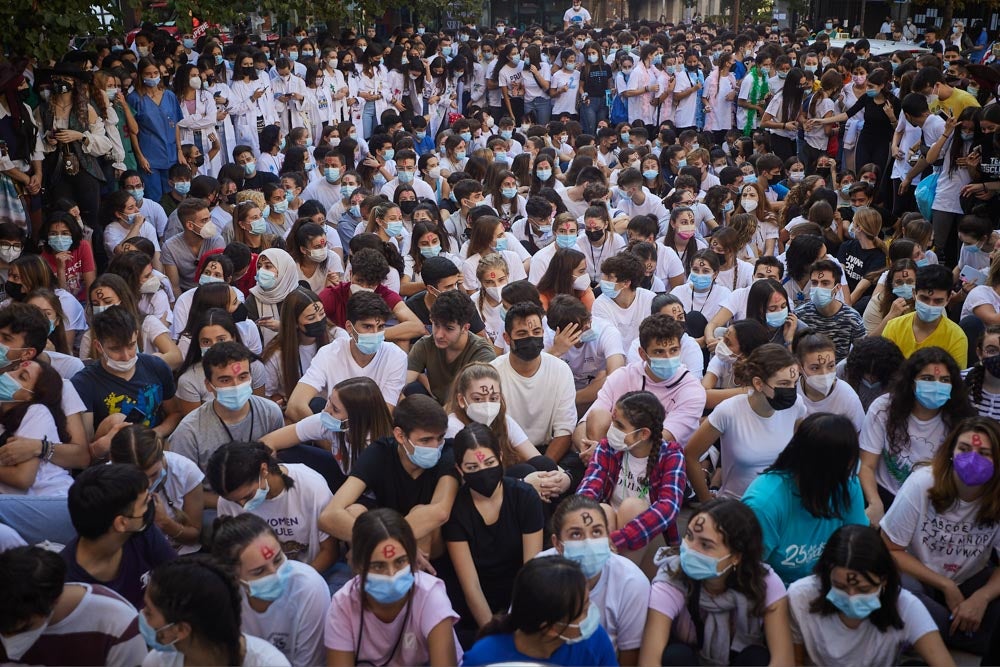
544, 175
700, 281
234, 398
664, 367
149, 633
751, 178
331, 423
424, 457
928, 313
699, 566
386, 589
821, 296
389, 154
266, 279
650, 174
331, 174
394, 228
137, 194
566, 240
854, 606
459, 155
182, 187
777, 319
508, 193
923, 261
588, 626
60, 243
206, 279
8, 387
591, 554
259, 497
272, 586
904, 291
258, 227
405, 177
355, 210
610, 288
728, 207
430, 251
369, 343
932, 394
501, 244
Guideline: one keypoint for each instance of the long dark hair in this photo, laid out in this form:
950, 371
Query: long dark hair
238, 463
369, 530
944, 492
822, 459
903, 399
199, 591
741, 533
286, 343
368, 417
558, 277
974, 378
47, 392
548, 591
860, 548
791, 96
758, 296
211, 317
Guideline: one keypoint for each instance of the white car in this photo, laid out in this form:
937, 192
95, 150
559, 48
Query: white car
884, 47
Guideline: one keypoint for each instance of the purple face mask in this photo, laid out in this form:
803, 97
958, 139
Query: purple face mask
972, 468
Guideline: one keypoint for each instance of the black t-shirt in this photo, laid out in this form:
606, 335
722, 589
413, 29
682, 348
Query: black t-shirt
388, 481
496, 549
858, 262
415, 302
258, 180
597, 80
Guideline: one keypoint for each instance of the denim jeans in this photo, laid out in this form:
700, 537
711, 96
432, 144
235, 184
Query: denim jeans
38, 518
593, 111
541, 107
368, 120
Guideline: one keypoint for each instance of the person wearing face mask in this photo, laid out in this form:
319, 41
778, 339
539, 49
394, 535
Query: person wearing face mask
182, 253
827, 315
983, 379
854, 608
821, 390
175, 484
617, 587
284, 601
251, 106
950, 571
388, 599
247, 477
869, 368
495, 526
46, 620
811, 490
636, 474
740, 602
139, 386
182, 625
752, 428
126, 221
905, 426
929, 325
116, 544
551, 619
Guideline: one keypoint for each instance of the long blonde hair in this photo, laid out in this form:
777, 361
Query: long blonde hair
462, 383
869, 221
493, 261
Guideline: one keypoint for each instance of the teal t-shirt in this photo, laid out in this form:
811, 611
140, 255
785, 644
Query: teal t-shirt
793, 538
595, 651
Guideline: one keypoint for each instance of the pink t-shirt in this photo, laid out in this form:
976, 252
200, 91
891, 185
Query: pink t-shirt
683, 399
430, 605
672, 603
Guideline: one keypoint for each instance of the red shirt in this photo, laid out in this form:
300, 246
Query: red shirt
335, 301
81, 263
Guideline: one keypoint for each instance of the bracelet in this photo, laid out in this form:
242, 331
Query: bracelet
51, 452
45, 448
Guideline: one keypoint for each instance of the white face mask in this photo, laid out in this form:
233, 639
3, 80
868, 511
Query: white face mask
582, 282
723, 352
483, 413
821, 383
749, 205
17, 645
616, 439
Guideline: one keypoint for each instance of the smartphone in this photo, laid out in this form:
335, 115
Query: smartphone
135, 416
971, 275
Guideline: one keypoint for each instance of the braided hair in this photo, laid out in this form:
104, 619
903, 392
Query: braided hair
643, 410
974, 378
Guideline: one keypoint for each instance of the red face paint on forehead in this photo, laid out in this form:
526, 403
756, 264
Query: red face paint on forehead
388, 551
493, 274
267, 552
236, 369
480, 456
977, 440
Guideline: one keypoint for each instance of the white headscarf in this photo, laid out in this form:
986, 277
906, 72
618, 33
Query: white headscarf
288, 277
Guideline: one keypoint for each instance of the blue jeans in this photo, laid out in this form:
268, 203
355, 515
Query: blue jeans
541, 107
368, 120
593, 111
38, 518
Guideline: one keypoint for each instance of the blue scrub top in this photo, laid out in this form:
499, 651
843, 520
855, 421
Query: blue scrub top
157, 127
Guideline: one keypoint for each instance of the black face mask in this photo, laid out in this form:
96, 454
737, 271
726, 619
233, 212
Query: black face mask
528, 349
721, 256
199, 161
485, 481
61, 87
231, 199
992, 365
595, 235
240, 314
784, 398
15, 291
248, 71
314, 329
407, 207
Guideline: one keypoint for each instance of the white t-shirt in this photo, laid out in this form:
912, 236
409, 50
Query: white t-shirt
577, 17
952, 543
691, 355
294, 513
259, 653
628, 484
829, 642
293, 623
723, 371
621, 594
750, 443
743, 272
50, 480
925, 438
685, 110
843, 400
983, 295
334, 363
626, 320
545, 403
515, 267
594, 256
273, 368
183, 477
591, 358
515, 433
565, 102
668, 263
736, 302
707, 303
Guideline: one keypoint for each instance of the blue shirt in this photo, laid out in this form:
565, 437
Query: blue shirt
157, 127
794, 538
105, 394
425, 146
596, 650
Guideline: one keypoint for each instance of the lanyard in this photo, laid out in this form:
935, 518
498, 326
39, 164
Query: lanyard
395, 647
708, 295
229, 433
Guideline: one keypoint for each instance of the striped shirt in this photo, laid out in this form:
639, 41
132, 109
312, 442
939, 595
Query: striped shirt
843, 327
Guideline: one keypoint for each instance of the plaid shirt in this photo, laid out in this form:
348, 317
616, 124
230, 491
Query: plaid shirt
666, 491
